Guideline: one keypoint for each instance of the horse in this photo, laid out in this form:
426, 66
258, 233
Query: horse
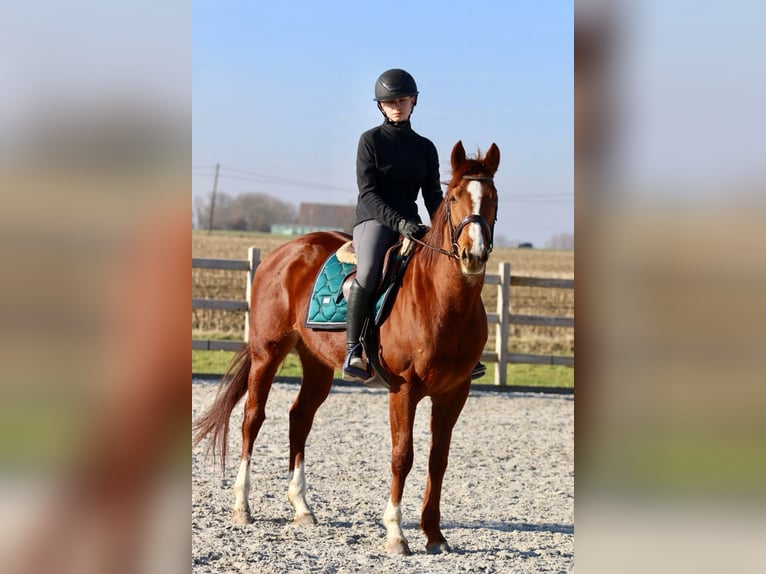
430, 342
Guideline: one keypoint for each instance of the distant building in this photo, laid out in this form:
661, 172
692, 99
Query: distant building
339, 217
319, 217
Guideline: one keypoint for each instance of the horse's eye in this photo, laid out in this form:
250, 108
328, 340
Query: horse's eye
452, 199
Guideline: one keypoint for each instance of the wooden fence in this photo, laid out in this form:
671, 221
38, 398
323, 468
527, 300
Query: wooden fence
502, 319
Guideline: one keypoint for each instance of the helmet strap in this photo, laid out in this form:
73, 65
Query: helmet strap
380, 107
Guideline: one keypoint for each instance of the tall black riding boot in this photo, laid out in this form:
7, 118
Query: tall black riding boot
357, 311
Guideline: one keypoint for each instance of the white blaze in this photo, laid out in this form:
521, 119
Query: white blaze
474, 229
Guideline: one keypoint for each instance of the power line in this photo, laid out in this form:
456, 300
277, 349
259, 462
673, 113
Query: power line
551, 194
532, 200
246, 175
238, 174
541, 198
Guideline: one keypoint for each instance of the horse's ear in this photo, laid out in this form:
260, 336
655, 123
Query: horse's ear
458, 155
492, 159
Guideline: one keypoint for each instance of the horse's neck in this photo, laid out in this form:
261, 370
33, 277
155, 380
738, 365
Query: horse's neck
441, 286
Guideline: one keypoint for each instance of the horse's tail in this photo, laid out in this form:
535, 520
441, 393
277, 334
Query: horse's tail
215, 421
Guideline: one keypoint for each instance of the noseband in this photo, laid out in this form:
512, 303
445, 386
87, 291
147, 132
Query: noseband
454, 232
486, 231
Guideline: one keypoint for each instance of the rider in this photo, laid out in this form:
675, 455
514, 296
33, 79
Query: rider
393, 164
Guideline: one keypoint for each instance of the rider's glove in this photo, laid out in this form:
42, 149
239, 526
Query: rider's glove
412, 229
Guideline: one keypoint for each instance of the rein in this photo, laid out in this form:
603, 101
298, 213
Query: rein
454, 232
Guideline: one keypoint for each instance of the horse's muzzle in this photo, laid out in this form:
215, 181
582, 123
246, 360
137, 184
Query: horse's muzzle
473, 256
472, 264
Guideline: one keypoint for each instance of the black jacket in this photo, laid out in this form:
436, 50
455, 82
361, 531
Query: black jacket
393, 163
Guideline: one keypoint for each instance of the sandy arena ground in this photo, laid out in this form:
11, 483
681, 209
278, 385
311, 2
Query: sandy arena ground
507, 502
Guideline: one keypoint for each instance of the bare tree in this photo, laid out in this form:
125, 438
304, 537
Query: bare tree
245, 212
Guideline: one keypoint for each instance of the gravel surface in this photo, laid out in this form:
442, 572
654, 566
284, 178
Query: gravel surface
507, 501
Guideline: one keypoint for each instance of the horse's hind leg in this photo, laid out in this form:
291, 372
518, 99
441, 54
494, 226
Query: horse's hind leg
263, 367
315, 386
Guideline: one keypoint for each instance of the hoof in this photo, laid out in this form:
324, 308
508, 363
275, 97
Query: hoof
241, 517
398, 547
438, 548
304, 519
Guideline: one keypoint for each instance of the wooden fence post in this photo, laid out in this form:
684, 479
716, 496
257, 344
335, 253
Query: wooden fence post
254, 257
501, 329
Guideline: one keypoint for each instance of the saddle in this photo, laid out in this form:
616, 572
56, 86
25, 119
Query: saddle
327, 307
395, 262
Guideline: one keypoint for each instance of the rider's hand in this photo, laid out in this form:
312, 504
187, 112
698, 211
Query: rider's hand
412, 229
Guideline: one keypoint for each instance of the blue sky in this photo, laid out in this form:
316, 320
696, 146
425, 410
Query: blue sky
282, 91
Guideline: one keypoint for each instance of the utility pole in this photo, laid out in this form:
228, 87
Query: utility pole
212, 200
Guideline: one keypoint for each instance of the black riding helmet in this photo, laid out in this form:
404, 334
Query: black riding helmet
394, 84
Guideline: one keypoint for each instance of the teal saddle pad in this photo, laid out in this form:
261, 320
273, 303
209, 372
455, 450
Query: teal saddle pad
327, 307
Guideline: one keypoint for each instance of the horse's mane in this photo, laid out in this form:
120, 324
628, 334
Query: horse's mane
439, 228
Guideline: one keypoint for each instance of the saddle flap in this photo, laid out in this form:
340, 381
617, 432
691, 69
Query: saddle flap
345, 287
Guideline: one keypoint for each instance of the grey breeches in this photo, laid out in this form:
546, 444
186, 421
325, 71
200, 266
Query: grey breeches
371, 241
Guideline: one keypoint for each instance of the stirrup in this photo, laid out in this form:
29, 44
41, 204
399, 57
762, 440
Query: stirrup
478, 371
353, 367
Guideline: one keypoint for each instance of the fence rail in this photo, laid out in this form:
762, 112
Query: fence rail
502, 318
250, 265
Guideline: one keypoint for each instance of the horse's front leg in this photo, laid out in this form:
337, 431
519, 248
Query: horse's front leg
401, 406
445, 411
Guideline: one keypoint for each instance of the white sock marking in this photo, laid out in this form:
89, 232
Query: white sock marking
242, 486
392, 520
296, 492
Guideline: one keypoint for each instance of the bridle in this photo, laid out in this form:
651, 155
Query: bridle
454, 232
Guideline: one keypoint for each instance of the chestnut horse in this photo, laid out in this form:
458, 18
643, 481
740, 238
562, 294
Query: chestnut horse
429, 344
